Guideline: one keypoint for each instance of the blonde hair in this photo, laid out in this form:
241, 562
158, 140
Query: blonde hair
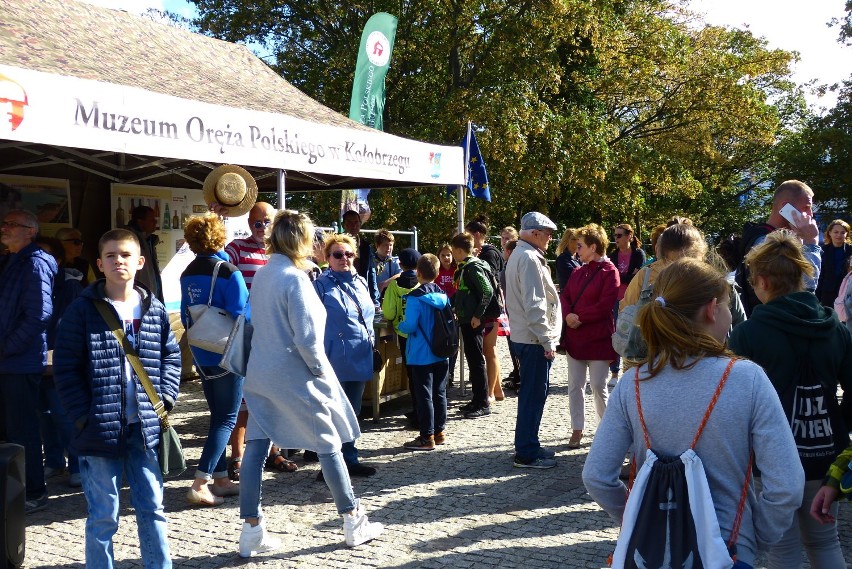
668, 325
594, 234
569, 235
291, 234
339, 238
780, 261
841, 223
204, 233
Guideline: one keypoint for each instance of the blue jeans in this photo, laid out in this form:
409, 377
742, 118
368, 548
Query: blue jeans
354, 391
251, 474
535, 380
56, 429
223, 391
19, 395
429, 382
102, 484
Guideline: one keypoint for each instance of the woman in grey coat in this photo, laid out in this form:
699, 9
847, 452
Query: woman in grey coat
304, 407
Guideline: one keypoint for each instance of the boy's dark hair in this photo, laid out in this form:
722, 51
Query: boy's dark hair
384, 236
117, 235
478, 225
463, 241
427, 267
139, 212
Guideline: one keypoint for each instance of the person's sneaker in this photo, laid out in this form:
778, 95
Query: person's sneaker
75, 481
359, 469
310, 456
254, 540
469, 406
440, 438
540, 463
478, 412
546, 453
50, 472
35, 505
357, 529
421, 443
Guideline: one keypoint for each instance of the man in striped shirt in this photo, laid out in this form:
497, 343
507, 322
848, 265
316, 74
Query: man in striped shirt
250, 254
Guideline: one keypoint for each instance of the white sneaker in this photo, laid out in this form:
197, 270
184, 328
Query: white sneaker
357, 529
254, 540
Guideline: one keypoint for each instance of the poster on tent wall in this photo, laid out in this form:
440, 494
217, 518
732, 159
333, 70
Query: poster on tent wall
173, 208
48, 198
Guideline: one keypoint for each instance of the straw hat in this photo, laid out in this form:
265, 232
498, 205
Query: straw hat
232, 187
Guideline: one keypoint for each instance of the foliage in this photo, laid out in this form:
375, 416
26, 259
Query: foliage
606, 111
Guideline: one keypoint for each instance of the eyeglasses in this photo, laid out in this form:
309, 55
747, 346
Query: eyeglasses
340, 254
15, 224
74, 241
259, 224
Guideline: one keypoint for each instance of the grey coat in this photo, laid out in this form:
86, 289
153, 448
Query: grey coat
292, 393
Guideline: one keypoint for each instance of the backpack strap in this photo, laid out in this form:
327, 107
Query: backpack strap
713, 403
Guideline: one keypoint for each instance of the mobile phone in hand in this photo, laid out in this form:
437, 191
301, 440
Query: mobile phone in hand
791, 214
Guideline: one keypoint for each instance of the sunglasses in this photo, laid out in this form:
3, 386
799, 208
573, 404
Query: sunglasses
340, 254
15, 224
259, 224
619, 235
74, 241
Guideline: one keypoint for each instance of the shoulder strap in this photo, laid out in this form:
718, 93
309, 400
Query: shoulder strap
213, 281
647, 278
115, 326
354, 300
585, 284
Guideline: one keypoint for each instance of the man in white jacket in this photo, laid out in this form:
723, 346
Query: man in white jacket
533, 307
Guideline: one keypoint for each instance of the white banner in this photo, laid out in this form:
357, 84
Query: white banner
66, 111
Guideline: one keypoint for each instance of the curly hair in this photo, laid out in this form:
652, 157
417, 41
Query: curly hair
594, 234
205, 234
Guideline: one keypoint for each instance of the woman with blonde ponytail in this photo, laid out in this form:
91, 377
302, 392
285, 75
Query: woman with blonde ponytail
685, 327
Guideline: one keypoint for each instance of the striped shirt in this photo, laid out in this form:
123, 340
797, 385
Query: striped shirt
247, 255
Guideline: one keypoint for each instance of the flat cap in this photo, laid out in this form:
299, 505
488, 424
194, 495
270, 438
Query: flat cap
536, 220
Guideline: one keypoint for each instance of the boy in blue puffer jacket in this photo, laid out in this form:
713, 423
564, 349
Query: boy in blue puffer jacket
428, 378
116, 429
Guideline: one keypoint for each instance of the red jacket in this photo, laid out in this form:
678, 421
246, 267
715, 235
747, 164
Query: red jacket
593, 305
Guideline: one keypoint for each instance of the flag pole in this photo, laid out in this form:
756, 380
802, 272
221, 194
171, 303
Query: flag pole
461, 197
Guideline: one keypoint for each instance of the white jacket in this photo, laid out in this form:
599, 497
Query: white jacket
532, 302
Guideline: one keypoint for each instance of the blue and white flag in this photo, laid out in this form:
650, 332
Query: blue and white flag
477, 177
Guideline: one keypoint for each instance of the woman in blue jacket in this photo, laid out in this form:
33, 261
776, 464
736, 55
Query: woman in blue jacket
349, 335
223, 390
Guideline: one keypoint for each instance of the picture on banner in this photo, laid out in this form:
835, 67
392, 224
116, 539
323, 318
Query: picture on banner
48, 198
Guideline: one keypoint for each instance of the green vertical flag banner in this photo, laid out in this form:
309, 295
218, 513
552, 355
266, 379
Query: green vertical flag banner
367, 104
368, 90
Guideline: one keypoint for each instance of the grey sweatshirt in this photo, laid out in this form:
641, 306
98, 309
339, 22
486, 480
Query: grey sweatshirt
673, 404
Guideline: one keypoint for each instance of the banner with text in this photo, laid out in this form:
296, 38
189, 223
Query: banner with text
78, 113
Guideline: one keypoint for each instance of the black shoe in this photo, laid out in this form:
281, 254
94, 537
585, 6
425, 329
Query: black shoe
470, 406
310, 456
36, 504
359, 469
478, 412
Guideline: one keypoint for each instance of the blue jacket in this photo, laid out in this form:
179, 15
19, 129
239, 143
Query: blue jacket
88, 369
229, 292
26, 305
348, 343
418, 322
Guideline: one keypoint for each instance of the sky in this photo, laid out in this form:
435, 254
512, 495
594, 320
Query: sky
787, 24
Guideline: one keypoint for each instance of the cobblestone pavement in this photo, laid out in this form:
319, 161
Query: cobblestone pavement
462, 505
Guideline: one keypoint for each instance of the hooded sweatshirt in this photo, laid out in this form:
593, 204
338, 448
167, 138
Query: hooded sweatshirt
788, 330
418, 322
393, 304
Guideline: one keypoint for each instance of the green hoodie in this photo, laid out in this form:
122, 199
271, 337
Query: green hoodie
780, 334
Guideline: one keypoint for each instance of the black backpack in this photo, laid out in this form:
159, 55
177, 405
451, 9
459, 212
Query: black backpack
444, 341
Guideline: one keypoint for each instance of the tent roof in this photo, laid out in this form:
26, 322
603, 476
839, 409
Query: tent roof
79, 40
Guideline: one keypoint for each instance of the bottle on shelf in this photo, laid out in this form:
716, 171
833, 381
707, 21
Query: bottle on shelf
167, 221
119, 215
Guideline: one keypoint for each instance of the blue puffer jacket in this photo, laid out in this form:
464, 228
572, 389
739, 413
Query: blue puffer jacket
88, 368
26, 289
418, 323
229, 292
348, 344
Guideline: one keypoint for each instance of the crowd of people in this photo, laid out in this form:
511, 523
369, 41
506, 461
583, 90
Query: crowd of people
760, 315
